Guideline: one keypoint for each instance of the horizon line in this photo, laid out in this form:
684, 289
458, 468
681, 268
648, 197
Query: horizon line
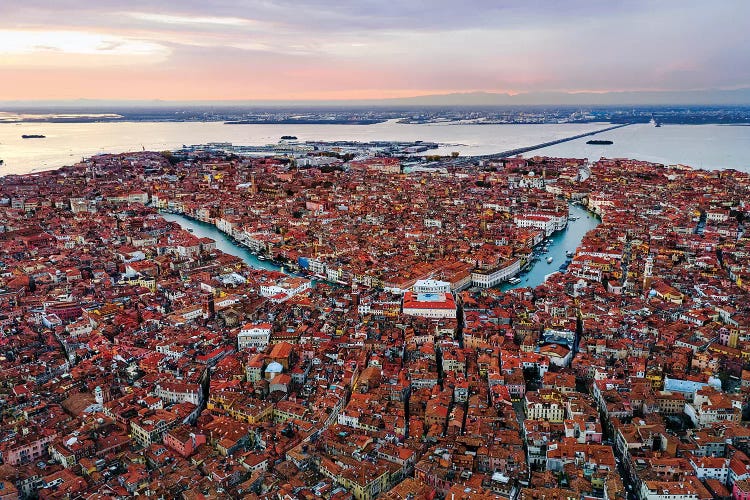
476, 94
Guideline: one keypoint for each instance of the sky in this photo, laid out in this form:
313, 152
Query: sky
366, 49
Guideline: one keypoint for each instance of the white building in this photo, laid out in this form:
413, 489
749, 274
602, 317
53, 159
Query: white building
333, 274
717, 215
317, 161
545, 223
667, 490
225, 225
179, 392
531, 180
138, 197
284, 289
559, 219
598, 202
487, 278
255, 335
430, 305
316, 266
558, 355
537, 409
365, 306
711, 468
710, 405
431, 286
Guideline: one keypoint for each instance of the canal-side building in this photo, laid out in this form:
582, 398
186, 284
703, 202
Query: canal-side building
487, 278
544, 222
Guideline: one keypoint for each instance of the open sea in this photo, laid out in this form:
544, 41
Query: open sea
702, 146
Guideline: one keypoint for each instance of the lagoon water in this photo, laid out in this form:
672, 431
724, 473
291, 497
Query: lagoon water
712, 147
66, 143
702, 146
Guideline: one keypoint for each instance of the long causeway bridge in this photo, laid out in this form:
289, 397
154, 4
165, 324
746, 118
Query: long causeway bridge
526, 149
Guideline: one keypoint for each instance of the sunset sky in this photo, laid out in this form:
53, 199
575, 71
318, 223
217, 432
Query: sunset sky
362, 49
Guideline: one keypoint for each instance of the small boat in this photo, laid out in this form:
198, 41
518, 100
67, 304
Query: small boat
569, 253
549, 260
33, 136
190, 229
514, 281
262, 257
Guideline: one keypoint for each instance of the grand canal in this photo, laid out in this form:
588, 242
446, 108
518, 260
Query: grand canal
223, 242
561, 242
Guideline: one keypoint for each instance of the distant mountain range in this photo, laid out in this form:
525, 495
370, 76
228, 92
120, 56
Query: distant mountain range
739, 97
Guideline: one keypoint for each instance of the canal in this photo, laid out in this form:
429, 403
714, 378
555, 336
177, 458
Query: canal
561, 242
223, 242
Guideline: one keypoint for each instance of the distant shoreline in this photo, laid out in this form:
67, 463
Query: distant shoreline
373, 115
350, 122
292, 121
